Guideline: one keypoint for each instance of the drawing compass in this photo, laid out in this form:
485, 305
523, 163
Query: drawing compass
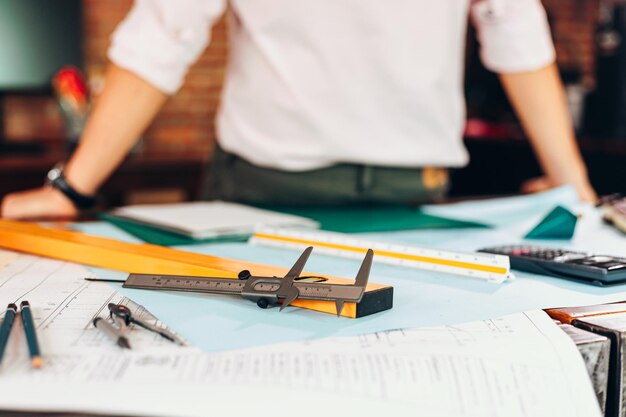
265, 291
123, 317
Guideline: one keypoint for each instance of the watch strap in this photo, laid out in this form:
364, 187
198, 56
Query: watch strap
81, 201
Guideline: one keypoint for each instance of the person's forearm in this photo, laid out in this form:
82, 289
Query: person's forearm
539, 100
123, 111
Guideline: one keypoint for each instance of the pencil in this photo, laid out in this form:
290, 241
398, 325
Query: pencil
36, 361
5, 329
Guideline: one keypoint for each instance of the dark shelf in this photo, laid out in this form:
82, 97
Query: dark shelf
501, 165
139, 172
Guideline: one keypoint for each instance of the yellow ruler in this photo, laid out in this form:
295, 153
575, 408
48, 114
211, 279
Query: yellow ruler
493, 268
101, 252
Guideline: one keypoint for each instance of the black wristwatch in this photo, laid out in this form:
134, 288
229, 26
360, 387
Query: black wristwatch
56, 179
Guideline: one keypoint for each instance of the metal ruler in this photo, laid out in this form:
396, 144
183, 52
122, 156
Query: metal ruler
265, 291
492, 268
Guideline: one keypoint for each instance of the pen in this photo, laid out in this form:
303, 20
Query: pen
108, 329
5, 329
36, 360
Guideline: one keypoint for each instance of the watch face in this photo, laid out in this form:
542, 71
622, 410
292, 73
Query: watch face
53, 174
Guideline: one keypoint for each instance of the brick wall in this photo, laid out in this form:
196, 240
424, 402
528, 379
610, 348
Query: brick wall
186, 122
573, 27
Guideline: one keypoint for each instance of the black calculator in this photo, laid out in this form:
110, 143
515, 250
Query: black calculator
562, 263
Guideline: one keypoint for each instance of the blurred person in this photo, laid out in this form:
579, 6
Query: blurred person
325, 102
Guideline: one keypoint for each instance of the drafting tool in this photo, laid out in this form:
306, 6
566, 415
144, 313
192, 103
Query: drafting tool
265, 291
493, 268
157, 260
569, 314
111, 332
31, 335
5, 328
120, 325
123, 312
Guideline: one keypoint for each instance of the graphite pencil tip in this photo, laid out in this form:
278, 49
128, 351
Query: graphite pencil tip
123, 342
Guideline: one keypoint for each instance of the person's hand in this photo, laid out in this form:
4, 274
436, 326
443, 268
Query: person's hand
535, 185
45, 202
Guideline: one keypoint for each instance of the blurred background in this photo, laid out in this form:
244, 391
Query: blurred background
39, 119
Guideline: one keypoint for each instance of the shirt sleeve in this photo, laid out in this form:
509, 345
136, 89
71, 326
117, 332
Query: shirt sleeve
160, 39
514, 35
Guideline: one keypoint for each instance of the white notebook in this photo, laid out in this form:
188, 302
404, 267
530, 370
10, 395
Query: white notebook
207, 219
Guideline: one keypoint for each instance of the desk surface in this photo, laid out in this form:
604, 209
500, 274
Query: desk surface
434, 295
438, 299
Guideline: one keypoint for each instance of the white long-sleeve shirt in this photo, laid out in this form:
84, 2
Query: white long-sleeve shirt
311, 83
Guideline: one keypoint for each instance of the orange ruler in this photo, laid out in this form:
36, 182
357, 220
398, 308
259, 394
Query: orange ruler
101, 252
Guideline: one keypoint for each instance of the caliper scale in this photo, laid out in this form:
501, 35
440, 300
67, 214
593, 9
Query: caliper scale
265, 291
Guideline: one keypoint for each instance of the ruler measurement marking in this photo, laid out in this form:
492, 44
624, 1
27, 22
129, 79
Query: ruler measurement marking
180, 283
317, 292
389, 254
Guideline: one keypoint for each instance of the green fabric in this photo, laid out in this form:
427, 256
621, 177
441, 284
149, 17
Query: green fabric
560, 223
231, 178
163, 237
359, 219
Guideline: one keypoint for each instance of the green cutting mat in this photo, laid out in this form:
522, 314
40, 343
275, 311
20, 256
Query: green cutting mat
363, 219
353, 219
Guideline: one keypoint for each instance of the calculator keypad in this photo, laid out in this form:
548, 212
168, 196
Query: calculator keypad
563, 263
546, 254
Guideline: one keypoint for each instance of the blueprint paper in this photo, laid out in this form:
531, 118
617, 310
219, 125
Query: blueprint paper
105, 230
86, 372
508, 211
421, 298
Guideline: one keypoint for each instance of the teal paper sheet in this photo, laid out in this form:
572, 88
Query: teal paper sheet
560, 223
421, 298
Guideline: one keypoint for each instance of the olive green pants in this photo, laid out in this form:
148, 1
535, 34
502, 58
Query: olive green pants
231, 178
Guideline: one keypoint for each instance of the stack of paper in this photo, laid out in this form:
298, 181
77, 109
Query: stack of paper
202, 220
